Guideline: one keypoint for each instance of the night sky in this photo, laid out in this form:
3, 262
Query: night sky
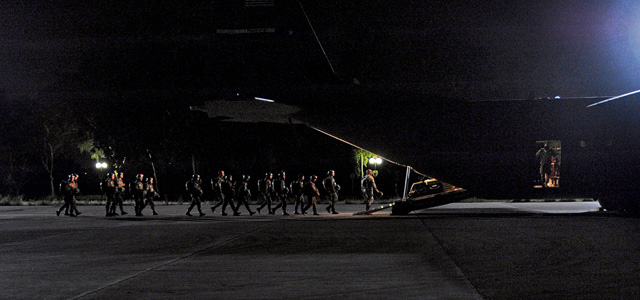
169, 55
465, 49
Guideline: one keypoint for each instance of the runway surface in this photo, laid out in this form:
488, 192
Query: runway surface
460, 251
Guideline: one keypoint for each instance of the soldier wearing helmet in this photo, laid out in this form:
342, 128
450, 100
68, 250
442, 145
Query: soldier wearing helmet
150, 195
312, 193
229, 194
216, 186
330, 185
121, 189
265, 188
108, 186
297, 188
243, 194
69, 189
138, 194
195, 191
281, 192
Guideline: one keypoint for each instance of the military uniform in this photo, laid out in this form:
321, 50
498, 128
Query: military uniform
312, 193
69, 189
121, 189
265, 187
138, 194
297, 188
109, 189
370, 188
195, 191
150, 195
243, 194
229, 193
332, 188
216, 186
281, 192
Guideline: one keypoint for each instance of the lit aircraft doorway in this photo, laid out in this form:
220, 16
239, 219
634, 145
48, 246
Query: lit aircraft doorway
549, 171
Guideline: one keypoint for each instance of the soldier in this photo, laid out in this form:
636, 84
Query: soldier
216, 185
121, 189
281, 192
195, 190
297, 188
243, 194
150, 195
332, 188
229, 193
265, 187
368, 184
108, 186
66, 196
70, 189
138, 191
312, 192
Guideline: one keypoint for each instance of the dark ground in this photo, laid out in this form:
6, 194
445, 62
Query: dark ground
460, 251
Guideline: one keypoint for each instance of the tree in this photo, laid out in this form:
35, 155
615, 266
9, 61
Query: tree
362, 160
54, 131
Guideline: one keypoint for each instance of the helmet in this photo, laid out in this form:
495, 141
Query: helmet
246, 177
330, 171
139, 176
149, 179
195, 176
313, 177
268, 174
300, 176
281, 174
220, 173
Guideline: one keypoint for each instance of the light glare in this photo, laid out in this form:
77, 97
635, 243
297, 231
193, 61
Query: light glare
263, 99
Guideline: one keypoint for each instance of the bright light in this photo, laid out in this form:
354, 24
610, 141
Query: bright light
375, 160
100, 165
263, 99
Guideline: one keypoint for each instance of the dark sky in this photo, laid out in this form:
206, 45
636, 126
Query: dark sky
467, 49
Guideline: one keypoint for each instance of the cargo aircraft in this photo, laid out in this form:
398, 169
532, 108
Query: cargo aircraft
454, 149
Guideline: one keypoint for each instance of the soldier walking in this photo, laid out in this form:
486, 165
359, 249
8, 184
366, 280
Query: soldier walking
265, 187
108, 186
150, 195
297, 188
312, 193
216, 186
281, 192
195, 191
370, 189
229, 194
138, 194
121, 189
69, 189
243, 194
332, 188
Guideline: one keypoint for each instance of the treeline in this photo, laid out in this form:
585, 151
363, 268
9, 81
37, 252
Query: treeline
46, 138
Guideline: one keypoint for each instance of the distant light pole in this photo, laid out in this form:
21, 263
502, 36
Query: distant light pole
375, 161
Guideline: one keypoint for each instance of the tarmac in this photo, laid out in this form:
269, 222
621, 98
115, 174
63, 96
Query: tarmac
493, 250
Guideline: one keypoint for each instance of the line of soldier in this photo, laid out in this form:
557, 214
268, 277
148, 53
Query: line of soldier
227, 193
143, 190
